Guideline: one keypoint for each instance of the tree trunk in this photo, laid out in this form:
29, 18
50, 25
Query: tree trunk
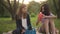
14, 10
13, 17
11, 9
59, 9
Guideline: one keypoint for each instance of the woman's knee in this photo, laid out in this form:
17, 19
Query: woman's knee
46, 21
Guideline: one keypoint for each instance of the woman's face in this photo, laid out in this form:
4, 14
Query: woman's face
24, 10
42, 9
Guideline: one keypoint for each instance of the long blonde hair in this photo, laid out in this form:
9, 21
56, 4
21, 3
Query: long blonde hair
19, 12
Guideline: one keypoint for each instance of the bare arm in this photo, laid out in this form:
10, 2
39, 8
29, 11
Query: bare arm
50, 16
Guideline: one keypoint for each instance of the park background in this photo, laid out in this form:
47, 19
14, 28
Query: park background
8, 9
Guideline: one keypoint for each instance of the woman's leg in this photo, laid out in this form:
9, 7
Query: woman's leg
41, 29
52, 25
46, 22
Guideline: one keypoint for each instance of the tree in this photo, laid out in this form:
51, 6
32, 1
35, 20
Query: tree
1, 10
34, 7
11, 8
58, 13
55, 6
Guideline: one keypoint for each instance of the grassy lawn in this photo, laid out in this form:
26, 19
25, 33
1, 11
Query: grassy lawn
6, 24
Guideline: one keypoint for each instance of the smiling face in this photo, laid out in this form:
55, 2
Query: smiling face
24, 10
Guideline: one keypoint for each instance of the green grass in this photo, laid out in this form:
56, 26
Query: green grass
6, 24
57, 24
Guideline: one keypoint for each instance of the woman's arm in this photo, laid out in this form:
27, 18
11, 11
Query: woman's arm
29, 22
40, 16
50, 16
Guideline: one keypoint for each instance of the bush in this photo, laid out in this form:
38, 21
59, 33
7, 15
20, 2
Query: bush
33, 15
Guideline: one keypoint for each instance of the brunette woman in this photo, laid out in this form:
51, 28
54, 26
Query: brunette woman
47, 19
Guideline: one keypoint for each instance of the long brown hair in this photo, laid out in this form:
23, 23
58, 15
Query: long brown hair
46, 10
19, 12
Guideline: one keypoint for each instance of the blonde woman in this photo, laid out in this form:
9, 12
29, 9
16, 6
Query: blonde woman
22, 20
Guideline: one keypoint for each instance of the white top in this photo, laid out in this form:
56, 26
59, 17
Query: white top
24, 23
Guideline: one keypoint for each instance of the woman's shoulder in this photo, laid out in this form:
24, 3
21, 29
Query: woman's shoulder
40, 12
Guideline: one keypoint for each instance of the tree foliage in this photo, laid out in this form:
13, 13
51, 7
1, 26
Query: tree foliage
34, 7
55, 7
9, 6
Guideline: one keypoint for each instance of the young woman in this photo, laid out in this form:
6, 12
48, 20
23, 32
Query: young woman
47, 19
22, 20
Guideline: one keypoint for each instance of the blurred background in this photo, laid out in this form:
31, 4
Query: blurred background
8, 9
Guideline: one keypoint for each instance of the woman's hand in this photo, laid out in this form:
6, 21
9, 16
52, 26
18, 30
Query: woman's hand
23, 30
53, 17
43, 16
